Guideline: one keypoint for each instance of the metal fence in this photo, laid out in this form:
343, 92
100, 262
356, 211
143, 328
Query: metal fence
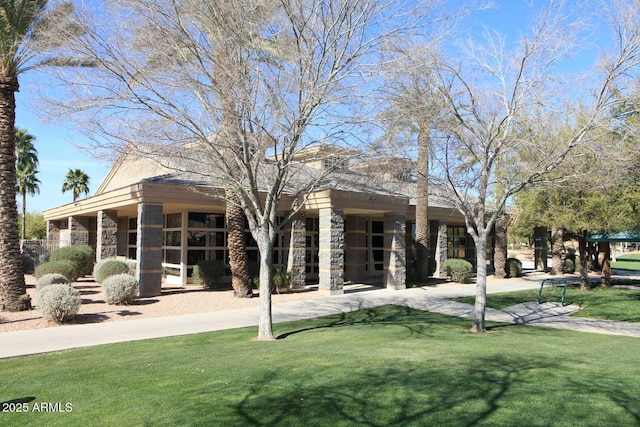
38, 249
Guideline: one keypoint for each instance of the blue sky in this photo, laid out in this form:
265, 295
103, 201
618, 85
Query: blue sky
56, 153
57, 142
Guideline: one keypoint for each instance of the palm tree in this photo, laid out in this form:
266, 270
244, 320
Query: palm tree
22, 25
26, 164
77, 182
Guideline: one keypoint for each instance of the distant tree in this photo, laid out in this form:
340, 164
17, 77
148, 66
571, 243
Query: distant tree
77, 182
36, 225
26, 170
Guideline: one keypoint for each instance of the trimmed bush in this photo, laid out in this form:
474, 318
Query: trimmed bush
51, 279
209, 274
59, 302
458, 269
133, 266
121, 289
65, 267
82, 256
109, 267
514, 267
28, 264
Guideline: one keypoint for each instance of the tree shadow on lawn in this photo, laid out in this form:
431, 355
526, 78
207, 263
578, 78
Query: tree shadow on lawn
409, 394
395, 315
615, 392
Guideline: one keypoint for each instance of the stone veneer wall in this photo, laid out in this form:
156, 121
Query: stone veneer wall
53, 231
395, 251
107, 244
149, 249
331, 251
296, 256
78, 231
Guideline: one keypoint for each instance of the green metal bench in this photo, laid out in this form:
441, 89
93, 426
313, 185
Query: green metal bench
554, 283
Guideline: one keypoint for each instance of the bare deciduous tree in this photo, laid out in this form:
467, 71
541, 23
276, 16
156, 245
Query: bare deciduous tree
289, 72
509, 106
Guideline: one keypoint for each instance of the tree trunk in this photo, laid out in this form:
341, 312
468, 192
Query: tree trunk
13, 291
557, 245
265, 322
584, 261
605, 277
481, 284
24, 214
237, 245
500, 251
422, 206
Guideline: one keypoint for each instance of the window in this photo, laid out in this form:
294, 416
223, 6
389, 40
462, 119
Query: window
459, 244
172, 241
312, 244
334, 163
206, 238
132, 238
376, 245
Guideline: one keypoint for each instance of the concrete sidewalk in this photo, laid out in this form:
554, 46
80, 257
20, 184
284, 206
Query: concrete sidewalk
427, 298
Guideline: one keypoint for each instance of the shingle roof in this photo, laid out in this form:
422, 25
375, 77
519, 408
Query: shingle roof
194, 169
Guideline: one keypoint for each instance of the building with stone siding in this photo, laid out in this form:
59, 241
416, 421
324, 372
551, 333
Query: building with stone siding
355, 227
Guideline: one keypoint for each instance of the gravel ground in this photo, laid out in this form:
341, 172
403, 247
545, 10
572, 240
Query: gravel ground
173, 301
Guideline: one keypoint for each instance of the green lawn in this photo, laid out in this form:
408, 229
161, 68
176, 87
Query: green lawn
599, 303
390, 366
627, 262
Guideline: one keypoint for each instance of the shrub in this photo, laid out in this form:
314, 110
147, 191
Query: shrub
109, 267
82, 256
569, 266
121, 289
514, 267
133, 267
65, 267
28, 264
281, 279
59, 302
51, 279
209, 274
459, 270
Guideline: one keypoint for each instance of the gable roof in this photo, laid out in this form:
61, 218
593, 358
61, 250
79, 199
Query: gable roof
169, 165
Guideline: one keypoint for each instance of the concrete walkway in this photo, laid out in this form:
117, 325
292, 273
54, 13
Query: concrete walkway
434, 299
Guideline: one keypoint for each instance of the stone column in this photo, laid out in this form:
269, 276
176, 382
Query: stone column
441, 250
331, 251
107, 244
78, 230
297, 251
356, 247
53, 231
395, 255
149, 250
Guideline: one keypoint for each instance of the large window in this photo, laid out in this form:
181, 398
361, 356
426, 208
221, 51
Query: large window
172, 242
456, 242
459, 243
312, 244
376, 246
206, 238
